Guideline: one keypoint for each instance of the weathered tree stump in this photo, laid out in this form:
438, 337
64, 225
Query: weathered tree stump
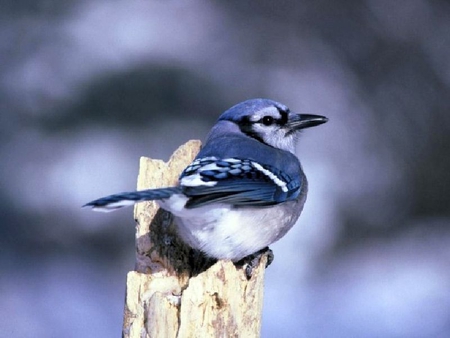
164, 297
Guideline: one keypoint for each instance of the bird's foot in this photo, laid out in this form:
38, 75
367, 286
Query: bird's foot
252, 261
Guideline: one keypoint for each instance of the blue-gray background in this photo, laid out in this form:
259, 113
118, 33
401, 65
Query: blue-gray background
87, 87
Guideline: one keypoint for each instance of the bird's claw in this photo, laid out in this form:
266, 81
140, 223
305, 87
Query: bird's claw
252, 261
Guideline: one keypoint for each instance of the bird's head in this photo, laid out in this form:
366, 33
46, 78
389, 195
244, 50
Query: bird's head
270, 122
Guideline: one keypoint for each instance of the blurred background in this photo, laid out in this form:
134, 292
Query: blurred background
87, 87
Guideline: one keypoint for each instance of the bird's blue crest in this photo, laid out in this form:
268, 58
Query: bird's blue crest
249, 107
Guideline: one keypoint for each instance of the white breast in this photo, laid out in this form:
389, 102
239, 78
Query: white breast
225, 232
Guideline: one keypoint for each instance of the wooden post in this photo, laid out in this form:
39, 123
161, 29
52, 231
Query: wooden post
162, 298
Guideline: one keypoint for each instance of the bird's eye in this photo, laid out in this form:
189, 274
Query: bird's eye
267, 120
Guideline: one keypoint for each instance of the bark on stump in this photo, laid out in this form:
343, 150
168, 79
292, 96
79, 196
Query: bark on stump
163, 299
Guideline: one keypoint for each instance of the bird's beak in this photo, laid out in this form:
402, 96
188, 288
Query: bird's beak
300, 121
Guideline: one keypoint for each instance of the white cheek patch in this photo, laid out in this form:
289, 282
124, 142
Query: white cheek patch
281, 141
271, 175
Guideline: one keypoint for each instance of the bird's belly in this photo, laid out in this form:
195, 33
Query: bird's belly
225, 232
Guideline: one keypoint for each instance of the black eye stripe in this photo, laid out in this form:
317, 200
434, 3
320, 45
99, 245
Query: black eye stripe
284, 116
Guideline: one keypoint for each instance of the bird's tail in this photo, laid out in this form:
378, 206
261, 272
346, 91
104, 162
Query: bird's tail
117, 201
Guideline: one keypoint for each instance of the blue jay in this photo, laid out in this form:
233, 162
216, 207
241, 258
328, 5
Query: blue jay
244, 190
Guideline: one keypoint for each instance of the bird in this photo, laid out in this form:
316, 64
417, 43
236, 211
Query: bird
244, 190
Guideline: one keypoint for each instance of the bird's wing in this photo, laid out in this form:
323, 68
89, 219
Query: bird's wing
236, 181
116, 201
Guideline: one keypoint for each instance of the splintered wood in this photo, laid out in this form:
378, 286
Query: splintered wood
164, 298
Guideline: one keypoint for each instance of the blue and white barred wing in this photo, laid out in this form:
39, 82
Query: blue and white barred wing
240, 182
